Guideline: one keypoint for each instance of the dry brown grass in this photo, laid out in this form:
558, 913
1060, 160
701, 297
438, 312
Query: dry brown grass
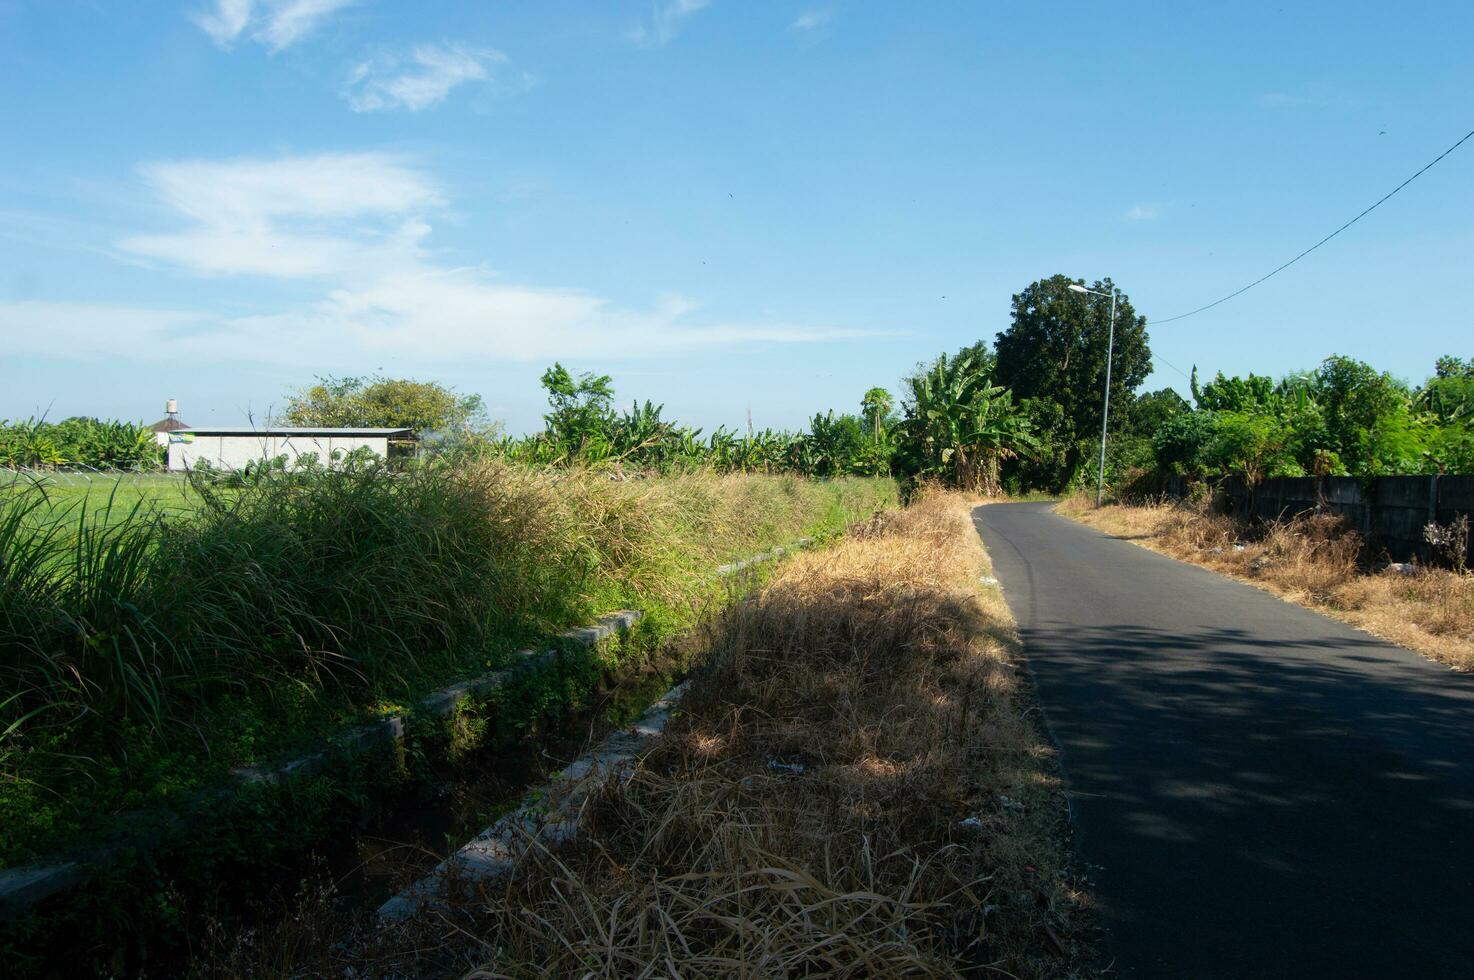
1311, 560
853, 788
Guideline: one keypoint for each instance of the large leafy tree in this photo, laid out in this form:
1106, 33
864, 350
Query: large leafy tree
1369, 417
425, 406
1055, 349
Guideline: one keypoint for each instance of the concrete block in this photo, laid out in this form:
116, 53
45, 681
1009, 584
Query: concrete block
1343, 491
550, 813
1455, 496
1401, 491
22, 887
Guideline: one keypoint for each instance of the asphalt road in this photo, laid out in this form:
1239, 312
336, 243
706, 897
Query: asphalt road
1257, 790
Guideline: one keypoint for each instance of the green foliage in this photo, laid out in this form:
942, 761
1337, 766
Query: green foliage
141, 651
1055, 349
79, 442
1343, 418
958, 427
1145, 414
380, 402
582, 429
837, 444
875, 412
1178, 444
579, 408
1368, 417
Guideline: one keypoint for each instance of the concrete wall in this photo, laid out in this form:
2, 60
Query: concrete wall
1389, 511
234, 452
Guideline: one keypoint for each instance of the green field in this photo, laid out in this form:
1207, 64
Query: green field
112, 495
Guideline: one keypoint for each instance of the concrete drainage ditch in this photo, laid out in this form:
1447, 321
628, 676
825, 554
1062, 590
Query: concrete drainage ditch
551, 812
547, 813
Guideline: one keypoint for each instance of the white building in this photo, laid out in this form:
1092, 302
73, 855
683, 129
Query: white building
233, 449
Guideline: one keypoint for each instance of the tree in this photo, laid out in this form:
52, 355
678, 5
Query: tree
1235, 394
1449, 394
1449, 366
579, 409
837, 444
1055, 348
875, 410
1368, 418
380, 402
1148, 413
959, 426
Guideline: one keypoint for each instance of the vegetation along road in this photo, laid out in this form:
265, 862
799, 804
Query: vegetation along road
1257, 790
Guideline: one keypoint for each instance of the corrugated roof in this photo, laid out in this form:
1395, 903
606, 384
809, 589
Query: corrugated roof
289, 431
169, 425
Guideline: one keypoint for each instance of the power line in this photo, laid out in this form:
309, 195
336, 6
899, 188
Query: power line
1163, 360
1318, 244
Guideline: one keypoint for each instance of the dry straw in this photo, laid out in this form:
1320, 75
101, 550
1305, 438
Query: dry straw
853, 789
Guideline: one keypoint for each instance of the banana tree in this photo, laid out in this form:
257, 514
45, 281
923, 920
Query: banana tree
959, 426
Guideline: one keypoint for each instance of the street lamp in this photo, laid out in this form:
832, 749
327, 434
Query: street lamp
1105, 413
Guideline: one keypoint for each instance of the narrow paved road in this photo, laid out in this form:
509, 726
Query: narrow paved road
1258, 791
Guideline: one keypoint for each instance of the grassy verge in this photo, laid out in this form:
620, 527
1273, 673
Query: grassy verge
1312, 561
145, 651
853, 787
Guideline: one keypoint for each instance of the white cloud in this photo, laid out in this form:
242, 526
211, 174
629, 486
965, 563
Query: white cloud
226, 22
290, 218
666, 19
419, 80
811, 20
355, 226
275, 24
429, 317
88, 330
1143, 212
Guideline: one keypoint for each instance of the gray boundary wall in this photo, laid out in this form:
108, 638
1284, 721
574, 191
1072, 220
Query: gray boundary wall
1390, 512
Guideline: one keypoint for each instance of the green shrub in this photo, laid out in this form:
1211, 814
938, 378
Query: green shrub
142, 652
78, 441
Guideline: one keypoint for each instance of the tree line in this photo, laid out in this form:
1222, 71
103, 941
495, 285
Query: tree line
1022, 413
78, 442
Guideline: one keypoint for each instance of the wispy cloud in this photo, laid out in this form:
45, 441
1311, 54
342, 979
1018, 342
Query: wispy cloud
811, 20
416, 81
275, 24
226, 21
1313, 95
667, 17
1143, 212
355, 226
295, 217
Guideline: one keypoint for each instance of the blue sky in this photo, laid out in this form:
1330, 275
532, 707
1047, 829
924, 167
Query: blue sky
730, 207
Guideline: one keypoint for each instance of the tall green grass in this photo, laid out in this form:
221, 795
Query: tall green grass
142, 650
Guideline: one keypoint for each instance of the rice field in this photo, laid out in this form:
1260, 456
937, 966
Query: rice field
113, 495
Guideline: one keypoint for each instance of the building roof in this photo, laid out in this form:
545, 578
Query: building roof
168, 425
300, 430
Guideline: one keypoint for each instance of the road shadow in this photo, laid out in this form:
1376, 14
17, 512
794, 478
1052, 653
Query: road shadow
1257, 790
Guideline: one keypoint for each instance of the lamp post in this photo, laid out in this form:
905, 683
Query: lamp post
1105, 413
